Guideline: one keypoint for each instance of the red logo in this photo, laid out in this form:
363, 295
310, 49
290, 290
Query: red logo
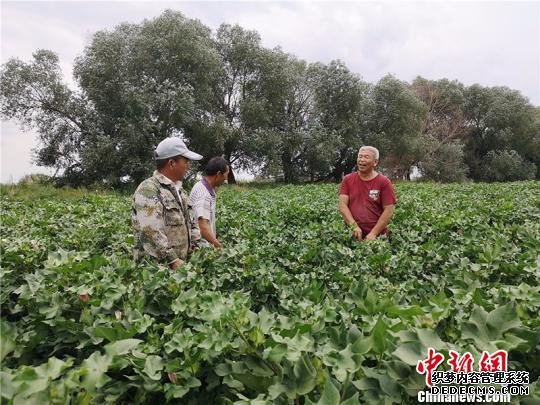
494, 362
497, 361
460, 364
429, 365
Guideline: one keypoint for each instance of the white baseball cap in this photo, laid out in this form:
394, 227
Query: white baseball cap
174, 146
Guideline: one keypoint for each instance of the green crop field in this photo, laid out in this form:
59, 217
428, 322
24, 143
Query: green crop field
292, 310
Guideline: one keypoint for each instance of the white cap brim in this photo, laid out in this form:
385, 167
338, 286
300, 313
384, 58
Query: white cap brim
192, 155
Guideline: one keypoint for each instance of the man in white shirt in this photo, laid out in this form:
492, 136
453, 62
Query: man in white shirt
203, 199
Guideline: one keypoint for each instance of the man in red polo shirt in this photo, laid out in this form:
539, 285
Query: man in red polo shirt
367, 198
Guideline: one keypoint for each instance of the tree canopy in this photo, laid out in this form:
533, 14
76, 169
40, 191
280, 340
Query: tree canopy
264, 110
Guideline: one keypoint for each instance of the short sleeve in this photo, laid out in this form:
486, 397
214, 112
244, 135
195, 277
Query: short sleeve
200, 202
388, 195
202, 209
344, 188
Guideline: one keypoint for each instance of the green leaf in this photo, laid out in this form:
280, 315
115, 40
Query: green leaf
112, 334
429, 338
512, 342
6, 385
275, 390
367, 384
53, 368
362, 346
343, 363
96, 366
256, 336
26, 383
389, 386
352, 400
175, 391
7, 339
485, 328
254, 382
122, 347
378, 335
257, 367
330, 394
223, 369
409, 352
276, 353
153, 367
266, 320
230, 381
405, 311
305, 375
502, 319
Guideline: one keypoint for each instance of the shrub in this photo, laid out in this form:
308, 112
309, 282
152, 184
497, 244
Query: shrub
506, 165
444, 162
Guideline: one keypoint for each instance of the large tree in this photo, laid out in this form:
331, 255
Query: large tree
444, 129
35, 96
221, 131
147, 82
289, 139
278, 113
499, 119
395, 124
341, 107
445, 104
139, 83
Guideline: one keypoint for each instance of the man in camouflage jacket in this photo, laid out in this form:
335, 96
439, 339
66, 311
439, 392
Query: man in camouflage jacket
162, 225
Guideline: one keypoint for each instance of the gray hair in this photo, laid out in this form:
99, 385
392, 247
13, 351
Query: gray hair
371, 149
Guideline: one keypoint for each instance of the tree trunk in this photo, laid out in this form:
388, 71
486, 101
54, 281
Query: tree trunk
287, 166
341, 167
231, 179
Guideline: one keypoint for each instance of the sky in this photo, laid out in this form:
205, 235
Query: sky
492, 43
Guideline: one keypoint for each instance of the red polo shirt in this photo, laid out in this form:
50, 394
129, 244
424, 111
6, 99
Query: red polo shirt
367, 199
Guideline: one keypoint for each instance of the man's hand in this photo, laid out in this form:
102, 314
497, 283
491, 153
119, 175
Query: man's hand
177, 263
217, 244
371, 236
357, 233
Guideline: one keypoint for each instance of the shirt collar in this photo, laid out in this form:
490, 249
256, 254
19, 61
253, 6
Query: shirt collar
163, 179
166, 181
208, 187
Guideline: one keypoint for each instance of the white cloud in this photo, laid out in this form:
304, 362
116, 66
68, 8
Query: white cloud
493, 43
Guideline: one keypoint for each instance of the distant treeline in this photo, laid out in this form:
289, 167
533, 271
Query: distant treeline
262, 109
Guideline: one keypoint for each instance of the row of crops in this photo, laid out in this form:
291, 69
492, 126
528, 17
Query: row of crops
291, 311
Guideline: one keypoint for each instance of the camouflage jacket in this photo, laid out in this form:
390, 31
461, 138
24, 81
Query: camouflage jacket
163, 227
